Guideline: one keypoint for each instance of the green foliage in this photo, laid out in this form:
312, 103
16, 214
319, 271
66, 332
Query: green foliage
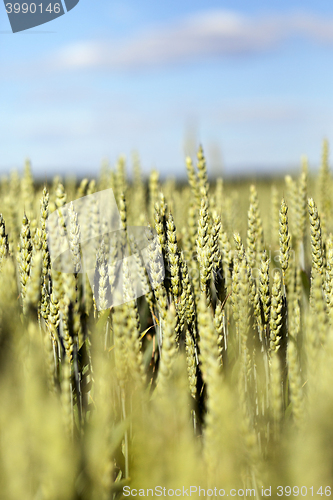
219, 376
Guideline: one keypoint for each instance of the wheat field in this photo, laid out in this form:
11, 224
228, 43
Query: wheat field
216, 382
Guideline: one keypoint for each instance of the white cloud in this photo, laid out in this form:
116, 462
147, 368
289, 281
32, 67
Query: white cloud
204, 35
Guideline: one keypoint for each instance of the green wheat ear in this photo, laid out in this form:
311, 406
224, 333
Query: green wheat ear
275, 313
173, 257
204, 250
264, 286
193, 182
274, 217
316, 238
202, 173
24, 255
284, 238
153, 191
255, 230
302, 200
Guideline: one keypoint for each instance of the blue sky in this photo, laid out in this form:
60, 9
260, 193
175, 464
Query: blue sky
251, 81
